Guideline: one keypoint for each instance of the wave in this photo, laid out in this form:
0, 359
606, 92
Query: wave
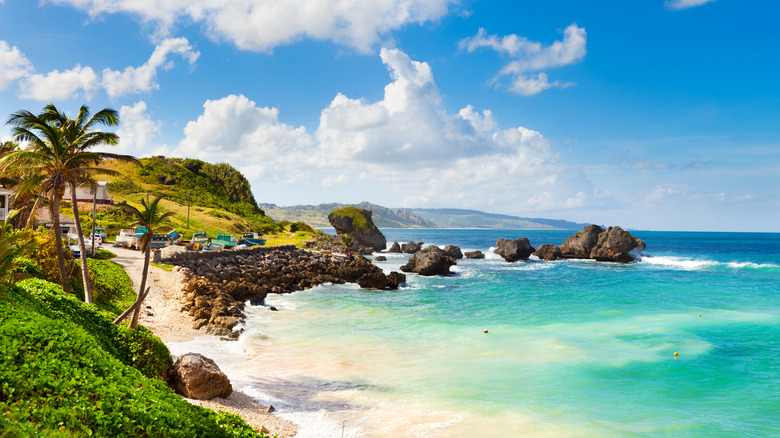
688, 264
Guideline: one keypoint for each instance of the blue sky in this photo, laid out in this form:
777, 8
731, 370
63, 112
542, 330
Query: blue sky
653, 114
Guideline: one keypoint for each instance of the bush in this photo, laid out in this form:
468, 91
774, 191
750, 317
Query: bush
112, 288
301, 226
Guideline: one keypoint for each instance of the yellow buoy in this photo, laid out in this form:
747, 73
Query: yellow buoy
484, 331
700, 315
676, 355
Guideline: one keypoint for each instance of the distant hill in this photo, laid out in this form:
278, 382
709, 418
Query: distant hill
317, 216
459, 218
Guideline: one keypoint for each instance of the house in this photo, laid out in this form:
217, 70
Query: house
5, 202
43, 217
87, 194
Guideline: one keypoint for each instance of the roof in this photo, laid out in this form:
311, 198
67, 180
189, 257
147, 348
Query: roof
42, 214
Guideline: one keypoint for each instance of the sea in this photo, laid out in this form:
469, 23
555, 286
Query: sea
684, 342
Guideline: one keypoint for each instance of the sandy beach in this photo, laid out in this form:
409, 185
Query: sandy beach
163, 315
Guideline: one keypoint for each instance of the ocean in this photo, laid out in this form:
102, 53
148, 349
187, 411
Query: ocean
573, 348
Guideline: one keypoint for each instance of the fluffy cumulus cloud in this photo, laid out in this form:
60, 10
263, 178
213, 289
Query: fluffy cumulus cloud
685, 4
143, 78
13, 65
406, 145
529, 58
70, 83
261, 25
137, 132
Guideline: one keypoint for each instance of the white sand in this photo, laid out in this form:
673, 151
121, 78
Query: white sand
162, 314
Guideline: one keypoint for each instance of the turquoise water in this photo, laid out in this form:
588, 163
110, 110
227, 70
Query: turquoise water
574, 348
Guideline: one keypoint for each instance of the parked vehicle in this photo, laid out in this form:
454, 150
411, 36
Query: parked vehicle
161, 240
251, 239
127, 238
75, 249
101, 231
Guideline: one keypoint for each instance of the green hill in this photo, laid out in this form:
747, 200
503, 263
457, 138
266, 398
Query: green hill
458, 218
317, 215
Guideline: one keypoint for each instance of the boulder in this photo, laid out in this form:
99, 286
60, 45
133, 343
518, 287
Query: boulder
374, 280
429, 261
514, 250
395, 247
453, 251
395, 279
411, 247
580, 245
548, 252
475, 255
196, 376
380, 259
357, 223
614, 245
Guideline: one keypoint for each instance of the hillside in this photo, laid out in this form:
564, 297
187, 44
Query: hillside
219, 196
317, 215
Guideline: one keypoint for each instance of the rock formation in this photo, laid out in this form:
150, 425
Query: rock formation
475, 255
220, 282
514, 250
548, 252
357, 223
453, 251
196, 376
429, 261
395, 247
411, 247
579, 245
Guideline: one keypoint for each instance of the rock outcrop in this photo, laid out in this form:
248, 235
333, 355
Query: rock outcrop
453, 251
548, 252
579, 245
614, 245
611, 245
411, 247
196, 376
475, 255
395, 248
514, 250
357, 223
429, 261
219, 283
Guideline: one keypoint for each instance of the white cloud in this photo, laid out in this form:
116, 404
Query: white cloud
13, 65
235, 130
530, 56
67, 84
143, 78
137, 131
406, 145
60, 85
685, 4
261, 25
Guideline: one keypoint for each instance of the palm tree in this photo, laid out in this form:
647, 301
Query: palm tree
58, 155
151, 217
11, 244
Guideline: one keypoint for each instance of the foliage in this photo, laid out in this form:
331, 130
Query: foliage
301, 226
103, 254
359, 222
56, 379
112, 288
142, 351
12, 244
347, 240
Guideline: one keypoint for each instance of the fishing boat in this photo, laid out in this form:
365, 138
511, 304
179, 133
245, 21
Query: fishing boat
127, 238
224, 239
199, 237
251, 239
163, 239
101, 231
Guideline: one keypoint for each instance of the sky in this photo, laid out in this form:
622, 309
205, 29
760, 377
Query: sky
652, 114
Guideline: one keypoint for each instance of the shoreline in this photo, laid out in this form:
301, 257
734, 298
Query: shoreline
161, 313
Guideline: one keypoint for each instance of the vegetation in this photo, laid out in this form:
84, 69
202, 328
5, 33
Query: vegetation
317, 215
359, 222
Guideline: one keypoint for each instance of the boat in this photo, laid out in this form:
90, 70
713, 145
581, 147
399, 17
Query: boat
75, 249
101, 231
224, 239
127, 238
163, 239
199, 237
251, 239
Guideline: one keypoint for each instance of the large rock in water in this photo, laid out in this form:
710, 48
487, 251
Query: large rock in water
475, 255
614, 245
411, 247
196, 376
395, 247
357, 223
579, 246
548, 252
514, 250
453, 251
429, 261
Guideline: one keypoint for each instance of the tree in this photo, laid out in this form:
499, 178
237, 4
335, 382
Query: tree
12, 244
58, 155
150, 217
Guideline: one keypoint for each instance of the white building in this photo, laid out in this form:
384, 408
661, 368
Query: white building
5, 202
85, 193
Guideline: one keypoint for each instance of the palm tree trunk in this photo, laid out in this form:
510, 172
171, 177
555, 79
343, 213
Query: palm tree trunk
144, 274
54, 210
82, 246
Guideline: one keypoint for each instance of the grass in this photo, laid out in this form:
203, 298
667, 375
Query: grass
166, 268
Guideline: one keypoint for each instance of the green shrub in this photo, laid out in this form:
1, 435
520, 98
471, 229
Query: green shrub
301, 226
112, 288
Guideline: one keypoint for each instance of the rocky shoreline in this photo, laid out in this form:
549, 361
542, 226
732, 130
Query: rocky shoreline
218, 284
